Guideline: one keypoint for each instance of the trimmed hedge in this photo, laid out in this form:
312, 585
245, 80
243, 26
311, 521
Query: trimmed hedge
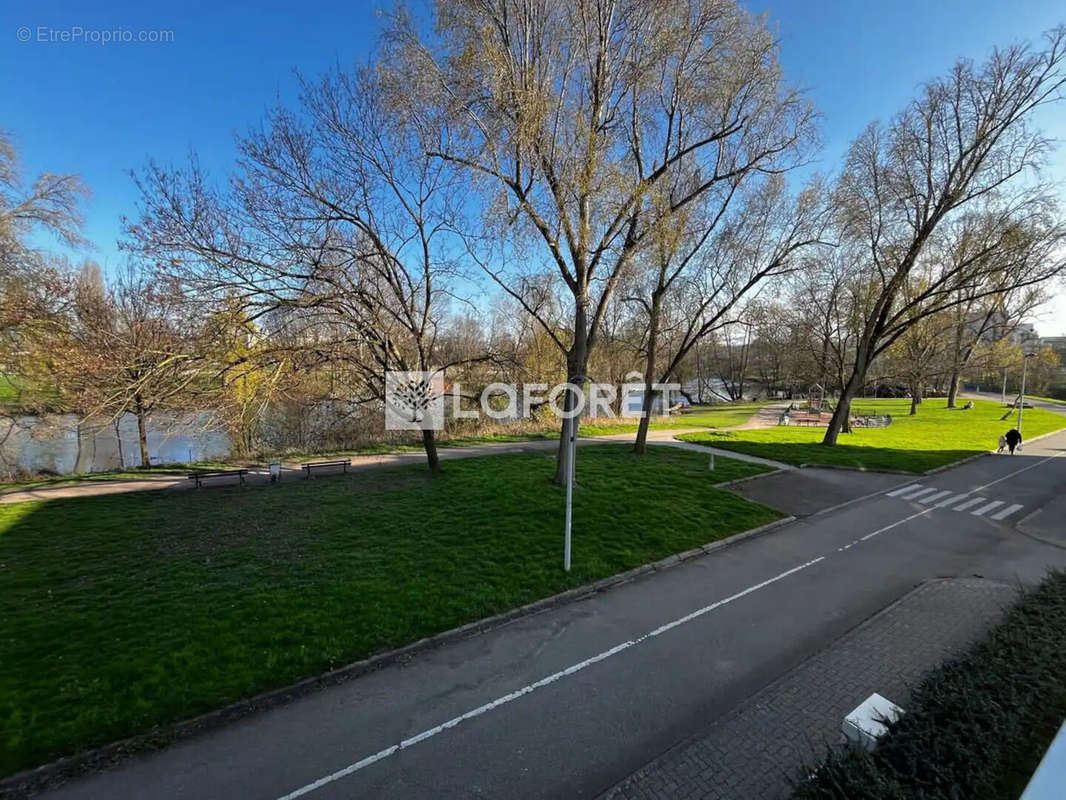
976, 727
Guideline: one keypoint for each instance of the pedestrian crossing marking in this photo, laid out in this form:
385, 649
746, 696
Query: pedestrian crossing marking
981, 511
1006, 512
905, 490
947, 501
916, 495
969, 504
955, 501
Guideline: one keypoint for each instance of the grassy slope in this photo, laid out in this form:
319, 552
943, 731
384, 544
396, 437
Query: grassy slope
122, 612
725, 415
935, 436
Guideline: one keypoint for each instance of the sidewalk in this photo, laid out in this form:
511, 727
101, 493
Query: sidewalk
667, 437
260, 475
290, 470
764, 744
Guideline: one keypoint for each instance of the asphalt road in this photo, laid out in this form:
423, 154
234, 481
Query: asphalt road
568, 702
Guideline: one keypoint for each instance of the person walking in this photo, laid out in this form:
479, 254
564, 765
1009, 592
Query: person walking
1014, 438
1002, 443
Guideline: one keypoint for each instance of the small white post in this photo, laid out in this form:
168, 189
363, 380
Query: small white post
712, 460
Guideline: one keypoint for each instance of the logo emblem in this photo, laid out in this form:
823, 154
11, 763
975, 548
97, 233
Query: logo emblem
414, 401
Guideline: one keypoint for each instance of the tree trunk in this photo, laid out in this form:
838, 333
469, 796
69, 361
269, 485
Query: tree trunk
118, 438
641, 445
842, 414
142, 433
429, 442
577, 361
916, 398
953, 388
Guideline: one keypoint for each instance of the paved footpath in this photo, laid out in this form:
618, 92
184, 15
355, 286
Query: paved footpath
291, 471
572, 701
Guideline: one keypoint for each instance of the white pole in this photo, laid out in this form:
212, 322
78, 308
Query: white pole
571, 452
1021, 400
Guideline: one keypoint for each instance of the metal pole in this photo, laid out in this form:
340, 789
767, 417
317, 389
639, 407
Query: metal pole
1021, 399
1003, 394
570, 453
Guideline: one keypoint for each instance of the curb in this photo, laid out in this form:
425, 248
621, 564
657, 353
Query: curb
858, 469
29, 782
953, 464
735, 481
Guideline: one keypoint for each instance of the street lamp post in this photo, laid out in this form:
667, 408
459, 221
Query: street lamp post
571, 457
570, 454
1021, 399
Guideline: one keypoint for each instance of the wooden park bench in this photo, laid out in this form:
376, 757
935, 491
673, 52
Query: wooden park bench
310, 465
202, 474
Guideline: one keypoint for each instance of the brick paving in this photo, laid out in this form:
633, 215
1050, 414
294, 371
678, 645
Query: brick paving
757, 749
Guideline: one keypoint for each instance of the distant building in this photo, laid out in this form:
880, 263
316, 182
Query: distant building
1056, 343
1024, 335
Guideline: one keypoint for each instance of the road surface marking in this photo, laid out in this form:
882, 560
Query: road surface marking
980, 511
893, 525
912, 487
969, 504
938, 496
1016, 472
1006, 512
916, 495
507, 698
947, 501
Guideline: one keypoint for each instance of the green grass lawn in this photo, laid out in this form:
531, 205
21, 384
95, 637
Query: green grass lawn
123, 612
935, 436
725, 415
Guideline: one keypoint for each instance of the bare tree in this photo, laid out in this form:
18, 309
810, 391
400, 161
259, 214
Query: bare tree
962, 146
126, 348
338, 230
581, 119
33, 285
726, 258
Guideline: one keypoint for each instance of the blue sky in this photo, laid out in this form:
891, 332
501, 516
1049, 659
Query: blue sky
102, 109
